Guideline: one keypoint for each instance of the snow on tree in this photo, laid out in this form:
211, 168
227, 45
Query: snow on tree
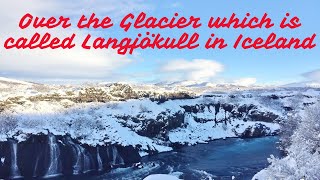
302, 161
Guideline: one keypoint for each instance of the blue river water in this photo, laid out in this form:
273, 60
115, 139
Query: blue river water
221, 159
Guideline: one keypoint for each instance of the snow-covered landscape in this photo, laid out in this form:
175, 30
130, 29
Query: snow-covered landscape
108, 125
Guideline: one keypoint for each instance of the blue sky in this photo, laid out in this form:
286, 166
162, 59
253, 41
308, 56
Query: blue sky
228, 65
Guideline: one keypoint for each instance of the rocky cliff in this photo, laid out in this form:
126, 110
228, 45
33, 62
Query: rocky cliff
46, 156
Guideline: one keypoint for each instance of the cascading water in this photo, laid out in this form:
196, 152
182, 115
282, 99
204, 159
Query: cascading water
99, 160
86, 160
54, 163
76, 167
48, 156
14, 169
35, 167
117, 159
83, 161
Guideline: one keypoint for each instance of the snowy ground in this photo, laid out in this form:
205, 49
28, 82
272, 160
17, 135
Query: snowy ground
29, 108
161, 177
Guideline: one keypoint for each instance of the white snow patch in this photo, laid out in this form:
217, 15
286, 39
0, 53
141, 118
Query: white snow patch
161, 177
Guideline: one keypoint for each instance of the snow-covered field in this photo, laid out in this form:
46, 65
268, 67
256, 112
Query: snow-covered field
161, 177
122, 117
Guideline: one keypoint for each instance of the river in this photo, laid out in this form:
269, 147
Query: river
220, 159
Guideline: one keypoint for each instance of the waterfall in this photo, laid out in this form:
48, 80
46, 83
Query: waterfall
100, 167
113, 155
14, 169
50, 156
2, 160
116, 157
86, 160
36, 167
83, 159
54, 164
76, 167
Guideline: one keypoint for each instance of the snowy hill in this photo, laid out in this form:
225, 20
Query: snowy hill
8, 81
204, 84
310, 84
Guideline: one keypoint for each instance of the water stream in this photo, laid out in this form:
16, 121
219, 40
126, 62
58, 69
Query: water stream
220, 159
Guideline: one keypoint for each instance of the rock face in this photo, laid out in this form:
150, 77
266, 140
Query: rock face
45, 156
198, 121
218, 113
225, 112
258, 130
160, 126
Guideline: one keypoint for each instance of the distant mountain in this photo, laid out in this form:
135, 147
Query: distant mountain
186, 84
311, 84
8, 81
207, 85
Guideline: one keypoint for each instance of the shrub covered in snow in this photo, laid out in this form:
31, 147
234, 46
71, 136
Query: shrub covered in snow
302, 161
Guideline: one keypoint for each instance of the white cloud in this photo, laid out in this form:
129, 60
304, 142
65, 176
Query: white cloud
245, 81
195, 70
74, 63
312, 75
